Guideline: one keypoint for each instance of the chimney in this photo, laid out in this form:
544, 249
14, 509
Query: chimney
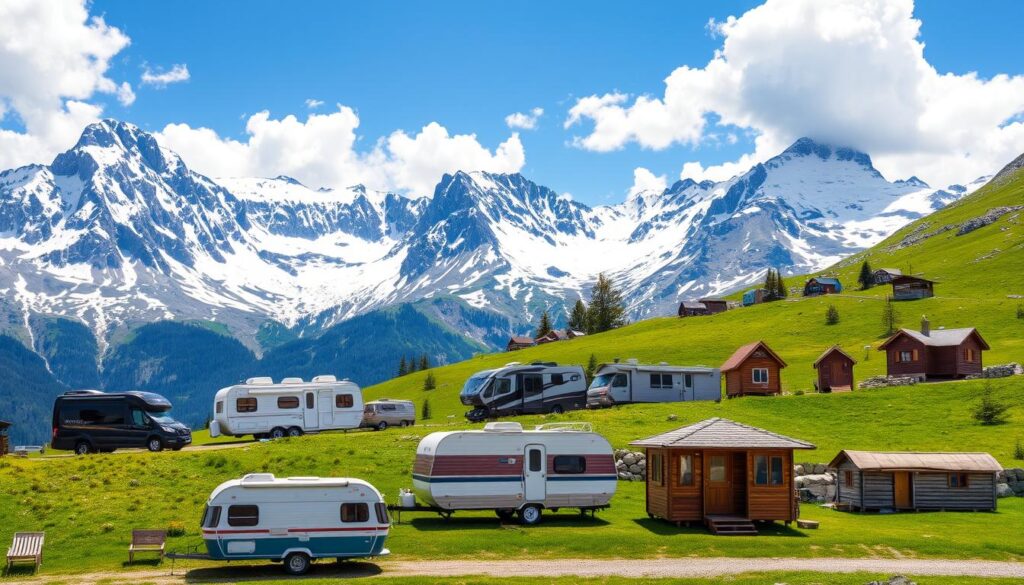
926, 326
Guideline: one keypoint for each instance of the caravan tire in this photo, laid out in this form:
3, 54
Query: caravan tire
529, 515
294, 432
82, 448
382, 425
277, 433
297, 563
557, 409
154, 444
403, 424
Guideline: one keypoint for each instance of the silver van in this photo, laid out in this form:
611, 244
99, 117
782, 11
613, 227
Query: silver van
380, 414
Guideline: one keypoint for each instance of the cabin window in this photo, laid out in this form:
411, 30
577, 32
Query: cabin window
661, 381
906, 356
958, 480
219, 408
619, 381
382, 513
760, 375
716, 471
655, 468
532, 383
557, 380
310, 401
343, 401
768, 470
570, 464
969, 354
243, 515
535, 460
245, 405
778, 476
211, 517
761, 470
355, 512
848, 478
287, 402
686, 470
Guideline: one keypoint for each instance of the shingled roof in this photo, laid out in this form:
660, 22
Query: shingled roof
830, 350
722, 433
741, 355
939, 337
909, 461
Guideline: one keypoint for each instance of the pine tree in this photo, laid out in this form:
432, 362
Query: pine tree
591, 368
544, 327
990, 411
403, 369
780, 286
606, 310
578, 317
412, 364
889, 316
831, 315
865, 278
428, 382
424, 362
770, 284
425, 413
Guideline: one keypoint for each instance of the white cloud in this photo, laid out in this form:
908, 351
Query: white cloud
322, 151
313, 104
53, 57
178, 73
644, 180
521, 121
851, 71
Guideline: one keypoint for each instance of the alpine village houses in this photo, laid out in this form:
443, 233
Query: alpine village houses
822, 286
722, 473
520, 342
708, 306
835, 371
753, 369
941, 353
910, 288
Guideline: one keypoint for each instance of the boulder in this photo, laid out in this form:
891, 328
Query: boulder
1003, 490
798, 470
1018, 488
629, 459
635, 468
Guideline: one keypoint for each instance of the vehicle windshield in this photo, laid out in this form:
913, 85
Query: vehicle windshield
602, 381
163, 418
475, 384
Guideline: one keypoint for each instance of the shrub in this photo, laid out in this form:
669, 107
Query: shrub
425, 410
428, 382
799, 393
107, 527
176, 528
1018, 451
831, 315
1020, 311
990, 410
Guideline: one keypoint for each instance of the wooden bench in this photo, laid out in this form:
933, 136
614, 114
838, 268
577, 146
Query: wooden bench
26, 547
147, 541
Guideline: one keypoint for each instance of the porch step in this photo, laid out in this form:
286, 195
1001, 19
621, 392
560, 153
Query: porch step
730, 526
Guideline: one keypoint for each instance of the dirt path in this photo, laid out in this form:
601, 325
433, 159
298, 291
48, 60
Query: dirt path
675, 567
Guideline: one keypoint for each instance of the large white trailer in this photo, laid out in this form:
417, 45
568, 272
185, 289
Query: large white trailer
507, 469
629, 382
290, 408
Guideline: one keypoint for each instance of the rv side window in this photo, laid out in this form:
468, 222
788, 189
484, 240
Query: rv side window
619, 381
388, 407
96, 412
138, 418
286, 402
358, 512
243, 515
343, 401
556, 379
220, 407
661, 381
570, 464
382, 513
535, 460
245, 405
532, 383
310, 401
211, 517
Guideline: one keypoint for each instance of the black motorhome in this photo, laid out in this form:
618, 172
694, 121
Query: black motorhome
90, 421
539, 387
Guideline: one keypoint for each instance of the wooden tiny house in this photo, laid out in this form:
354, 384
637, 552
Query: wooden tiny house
940, 353
692, 309
909, 288
835, 370
873, 480
5, 446
885, 275
519, 343
753, 369
722, 473
552, 336
715, 305
822, 286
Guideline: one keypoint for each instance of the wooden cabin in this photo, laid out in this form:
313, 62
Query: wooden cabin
872, 480
835, 370
692, 309
517, 342
939, 353
754, 296
5, 445
885, 275
753, 369
715, 305
573, 334
551, 336
822, 286
909, 288
722, 473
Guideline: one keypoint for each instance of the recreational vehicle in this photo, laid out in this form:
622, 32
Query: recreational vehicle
509, 470
90, 421
625, 383
264, 409
539, 387
295, 520
383, 413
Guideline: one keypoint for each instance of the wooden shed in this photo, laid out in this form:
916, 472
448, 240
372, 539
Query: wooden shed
518, 342
938, 353
822, 286
715, 305
754, 296
909, 288
885, 275
835, 370
692, 309
753, 369
5, 446
873, 480
722, 473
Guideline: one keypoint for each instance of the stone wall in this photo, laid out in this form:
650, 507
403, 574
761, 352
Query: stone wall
1010, 482
886, 381
815, 482
630, 465
1000, 371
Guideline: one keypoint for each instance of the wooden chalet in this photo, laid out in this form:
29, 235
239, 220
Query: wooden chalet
822, 286
835, 370
939, 353
753, 369
885, 275
754, 296
872, 480
909, 288
693, 309
722, 473
573, 334
551, 336
517, 342
5, 446
715, 305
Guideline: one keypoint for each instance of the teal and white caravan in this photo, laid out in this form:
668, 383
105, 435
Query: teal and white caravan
295, 520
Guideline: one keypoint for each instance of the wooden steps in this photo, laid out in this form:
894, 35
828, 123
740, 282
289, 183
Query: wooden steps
730, 526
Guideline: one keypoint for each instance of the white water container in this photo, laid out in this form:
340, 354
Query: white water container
406, 498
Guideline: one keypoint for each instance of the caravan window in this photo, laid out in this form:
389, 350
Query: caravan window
535, 460
343, 401
661, 381
310, 401
220, 407
382, 513
286, 402
97, 412
532, 383
355, 512
501, 386
557, 380
243, 515
211, 517
570, 464
245, 405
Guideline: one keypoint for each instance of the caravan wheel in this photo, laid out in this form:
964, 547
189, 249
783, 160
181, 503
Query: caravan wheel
529, 515
382, 425
294, 432
557, 409
277, 433
83, 448
296, 563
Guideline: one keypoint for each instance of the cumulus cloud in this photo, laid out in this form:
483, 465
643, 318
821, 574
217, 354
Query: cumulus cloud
849, 71
158, 78
322, 151
644, 180
313, 104
521, 121
53, 58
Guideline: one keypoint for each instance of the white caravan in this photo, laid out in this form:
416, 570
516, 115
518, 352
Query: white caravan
295, 520
624, 383
508, 470
538, 387
264, 409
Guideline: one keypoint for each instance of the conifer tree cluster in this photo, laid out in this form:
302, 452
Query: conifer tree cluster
774, 286
410, 365
865, 277
544, 327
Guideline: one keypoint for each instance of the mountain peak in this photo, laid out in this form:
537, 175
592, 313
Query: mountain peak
806, 146
109, 142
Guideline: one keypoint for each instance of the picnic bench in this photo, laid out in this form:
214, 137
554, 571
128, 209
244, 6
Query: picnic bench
147, 541
26, 547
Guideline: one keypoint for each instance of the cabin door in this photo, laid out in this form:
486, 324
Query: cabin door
718, 474
535, 473
326, 408
901, 490
836, 376
310, 420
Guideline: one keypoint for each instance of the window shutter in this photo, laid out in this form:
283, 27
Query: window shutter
915, 355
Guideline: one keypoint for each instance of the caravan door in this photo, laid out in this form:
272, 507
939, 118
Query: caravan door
535, 473
687, 387
310, 420
326, 409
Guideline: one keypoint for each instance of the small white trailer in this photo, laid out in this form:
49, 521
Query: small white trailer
629, 382
290, 408
294, 520
510, 470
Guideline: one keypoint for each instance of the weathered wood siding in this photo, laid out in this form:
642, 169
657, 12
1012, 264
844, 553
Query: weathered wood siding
767, 502
964, 367
932, 492
848, 495
657, 495
877, 490
843, 377
740, 381
912, 368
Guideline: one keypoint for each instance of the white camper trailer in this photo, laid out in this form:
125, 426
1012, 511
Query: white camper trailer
539, 387
295, 520
625, 383
508, 470
264, 409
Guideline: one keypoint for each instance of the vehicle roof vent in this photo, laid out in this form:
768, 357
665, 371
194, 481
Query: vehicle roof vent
503, 427
291, 381
510, 364
258, 478
325, 378
260, 381
632, 361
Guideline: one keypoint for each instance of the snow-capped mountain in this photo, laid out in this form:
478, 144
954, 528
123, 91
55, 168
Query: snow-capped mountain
118, 231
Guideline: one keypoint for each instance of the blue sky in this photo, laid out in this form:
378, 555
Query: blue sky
466, 65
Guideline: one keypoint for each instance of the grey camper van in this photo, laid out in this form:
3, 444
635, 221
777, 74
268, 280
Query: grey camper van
384, 413
91, 421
